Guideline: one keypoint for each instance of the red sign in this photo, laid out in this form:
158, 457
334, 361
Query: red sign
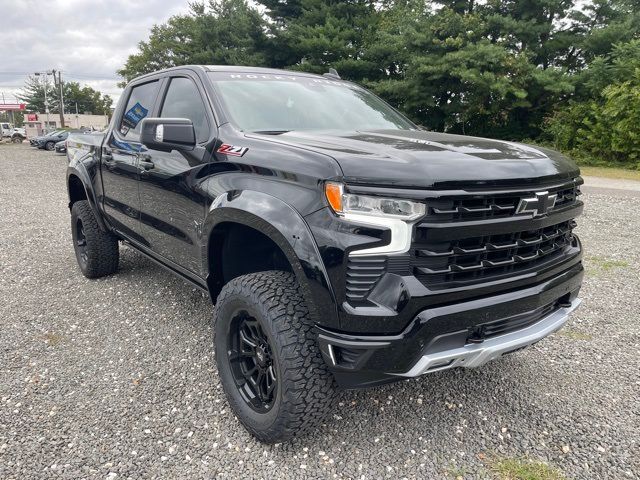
12, 106
32, 117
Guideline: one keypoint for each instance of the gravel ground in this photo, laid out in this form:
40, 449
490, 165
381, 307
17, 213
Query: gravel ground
114, 378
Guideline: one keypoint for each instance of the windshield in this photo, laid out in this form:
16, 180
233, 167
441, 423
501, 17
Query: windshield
278, 103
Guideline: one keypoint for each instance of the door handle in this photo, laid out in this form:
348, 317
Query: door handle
107, 156
146, 165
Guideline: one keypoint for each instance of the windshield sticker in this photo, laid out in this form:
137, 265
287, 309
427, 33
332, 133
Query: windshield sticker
232, 150
134, 115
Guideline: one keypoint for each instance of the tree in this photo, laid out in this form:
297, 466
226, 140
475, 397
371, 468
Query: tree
86, 98
223, 33
600, 125
498, 68
33, 94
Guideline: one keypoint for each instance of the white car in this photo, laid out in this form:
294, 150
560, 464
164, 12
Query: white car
5, 129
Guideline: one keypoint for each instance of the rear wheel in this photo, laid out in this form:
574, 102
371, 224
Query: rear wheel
269, 362
50, 146
96, 250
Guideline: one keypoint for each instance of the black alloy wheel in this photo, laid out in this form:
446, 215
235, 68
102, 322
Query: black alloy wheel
96, 250
81, 244
269, 361
251, 360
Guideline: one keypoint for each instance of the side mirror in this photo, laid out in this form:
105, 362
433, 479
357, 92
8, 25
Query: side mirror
167, 134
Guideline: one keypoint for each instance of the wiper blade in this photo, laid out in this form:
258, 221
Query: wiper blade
271, 132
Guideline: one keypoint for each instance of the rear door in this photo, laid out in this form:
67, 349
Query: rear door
172, 210
119, 159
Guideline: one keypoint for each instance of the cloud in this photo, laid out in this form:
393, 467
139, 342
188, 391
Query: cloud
87, 40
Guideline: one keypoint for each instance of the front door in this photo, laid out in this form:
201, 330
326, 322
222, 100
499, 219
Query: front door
172, 210
120, 171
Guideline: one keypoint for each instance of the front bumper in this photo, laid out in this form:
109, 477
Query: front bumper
463, 334
477, 354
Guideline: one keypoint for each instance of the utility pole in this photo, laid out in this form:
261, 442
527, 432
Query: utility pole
46, 102
58, 82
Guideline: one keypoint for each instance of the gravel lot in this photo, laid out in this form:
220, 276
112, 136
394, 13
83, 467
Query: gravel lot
114, 378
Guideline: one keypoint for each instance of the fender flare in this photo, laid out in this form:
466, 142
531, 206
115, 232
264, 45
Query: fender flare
80, 171
289, 231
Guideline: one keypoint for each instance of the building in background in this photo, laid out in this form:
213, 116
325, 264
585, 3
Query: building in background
37, 123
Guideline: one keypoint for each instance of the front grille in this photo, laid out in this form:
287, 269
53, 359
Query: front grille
491, 256
457, 208
475, 238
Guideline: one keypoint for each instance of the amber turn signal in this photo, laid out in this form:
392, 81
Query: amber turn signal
333, 192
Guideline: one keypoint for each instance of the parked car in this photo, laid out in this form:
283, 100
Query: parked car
18, 135
5, 129
61, 146
343, 246
48, 142
37, 141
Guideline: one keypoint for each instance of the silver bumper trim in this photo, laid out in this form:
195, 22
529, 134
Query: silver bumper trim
475, 355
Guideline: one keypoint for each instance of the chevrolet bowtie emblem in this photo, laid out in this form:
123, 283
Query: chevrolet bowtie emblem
537, 206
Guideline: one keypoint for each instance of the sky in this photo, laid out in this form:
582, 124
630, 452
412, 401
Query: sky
88, 40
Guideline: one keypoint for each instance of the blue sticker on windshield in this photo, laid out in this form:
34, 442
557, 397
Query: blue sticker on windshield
134, 115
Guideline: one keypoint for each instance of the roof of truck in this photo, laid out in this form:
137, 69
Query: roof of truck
235, 68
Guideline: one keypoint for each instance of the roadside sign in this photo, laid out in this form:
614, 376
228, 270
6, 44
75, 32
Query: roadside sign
12, 106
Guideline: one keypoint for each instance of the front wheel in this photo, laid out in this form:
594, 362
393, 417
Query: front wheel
268, 359
96, 250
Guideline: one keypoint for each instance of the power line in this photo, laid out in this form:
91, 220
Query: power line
69, 74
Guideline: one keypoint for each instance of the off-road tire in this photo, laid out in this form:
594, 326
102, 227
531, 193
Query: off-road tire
100, 255
305, 387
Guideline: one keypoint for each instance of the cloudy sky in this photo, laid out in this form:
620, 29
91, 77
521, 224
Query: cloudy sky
87, 39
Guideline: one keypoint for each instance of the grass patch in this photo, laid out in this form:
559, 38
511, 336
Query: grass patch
607, 264
524, 469
575, 334
53, 339
456, 472
610, 172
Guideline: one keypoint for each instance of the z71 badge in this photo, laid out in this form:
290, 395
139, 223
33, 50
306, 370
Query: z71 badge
232, 150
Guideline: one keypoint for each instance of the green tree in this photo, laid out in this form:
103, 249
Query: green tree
600, 125
87, 99
220, 33
476, 68
502, 68
33, 94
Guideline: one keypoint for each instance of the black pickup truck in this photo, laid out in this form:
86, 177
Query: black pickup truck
342, 245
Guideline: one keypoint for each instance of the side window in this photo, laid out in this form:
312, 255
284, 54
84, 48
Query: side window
138, 107
184, 101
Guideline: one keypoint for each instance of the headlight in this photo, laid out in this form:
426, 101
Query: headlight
394, 214
347, 203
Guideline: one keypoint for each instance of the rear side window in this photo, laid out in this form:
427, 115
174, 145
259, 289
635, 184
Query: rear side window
184, 101
138, 107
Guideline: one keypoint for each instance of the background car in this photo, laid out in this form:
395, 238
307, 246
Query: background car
48, 142
61, 146
5, 129
35, 141
18, 135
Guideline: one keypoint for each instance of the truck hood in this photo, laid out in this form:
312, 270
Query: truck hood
414, 158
